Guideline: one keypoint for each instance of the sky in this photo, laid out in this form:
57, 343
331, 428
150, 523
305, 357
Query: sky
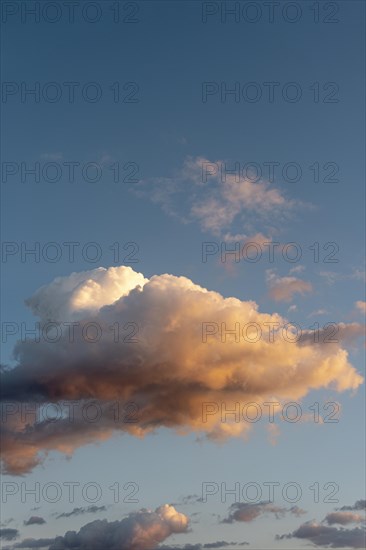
183, 269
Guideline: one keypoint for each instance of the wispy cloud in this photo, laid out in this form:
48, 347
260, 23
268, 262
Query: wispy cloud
220, 203
282, 289
81, 511
247, 512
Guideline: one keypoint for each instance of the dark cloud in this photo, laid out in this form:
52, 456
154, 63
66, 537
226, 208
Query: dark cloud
243, 511
80, 511
330, 537
223, 544
34, 543
359, 505
35, 520
188, 499
6, 522
9, 534
219, 545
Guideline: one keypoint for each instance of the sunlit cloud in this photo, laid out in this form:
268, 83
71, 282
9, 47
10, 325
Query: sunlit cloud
201, 191
282, 289
168, 372
142, 530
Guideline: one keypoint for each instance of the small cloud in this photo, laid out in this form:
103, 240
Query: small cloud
296, 511
6, 522
358, 275
297, 269
361, 306
358, 505
322, 535
189, 499
35, 520
35, 543
332, 277
282, 289
210, 194
80, 511
9, 534
105, 159
273, 433
318, 312
343, 518
246, 512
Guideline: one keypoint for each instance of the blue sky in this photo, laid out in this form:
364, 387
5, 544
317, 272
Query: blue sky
163, 135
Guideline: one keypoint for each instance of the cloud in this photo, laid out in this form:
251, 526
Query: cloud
6, 522
70, 298
318, 312
330, 537
273, 433
219, 544
168, 373
139, 531
361, 306
332, 277
201, 192
297, 269
189, 499
343, 518
34, 543
246, 512
80, 511
9, 534
282, 289
35, 520
359, 505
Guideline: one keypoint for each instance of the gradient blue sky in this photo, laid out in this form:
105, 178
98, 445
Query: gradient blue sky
170, 52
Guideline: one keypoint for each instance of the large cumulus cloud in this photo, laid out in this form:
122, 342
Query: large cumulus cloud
141, 530
168, 371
